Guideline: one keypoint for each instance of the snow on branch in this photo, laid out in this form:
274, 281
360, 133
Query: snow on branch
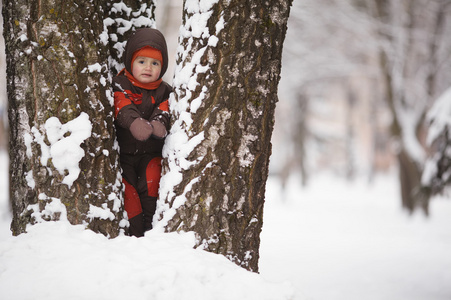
439, 116
54, 209
437, 170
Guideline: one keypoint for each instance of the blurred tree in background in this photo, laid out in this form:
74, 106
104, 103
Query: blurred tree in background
415, 67
363, 75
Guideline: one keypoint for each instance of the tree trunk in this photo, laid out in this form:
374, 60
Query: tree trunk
409, 169
123, 19
436, 178
60, 115
412, 196
441, 181
218, 151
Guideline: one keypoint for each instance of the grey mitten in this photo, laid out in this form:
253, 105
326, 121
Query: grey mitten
141, 129
159, 130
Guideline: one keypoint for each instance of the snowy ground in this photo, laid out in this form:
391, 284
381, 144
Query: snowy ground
333, 240
336, 240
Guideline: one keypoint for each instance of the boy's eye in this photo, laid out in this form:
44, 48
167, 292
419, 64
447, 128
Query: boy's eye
156, 63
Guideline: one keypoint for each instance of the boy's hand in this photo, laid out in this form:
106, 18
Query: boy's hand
141, 129
159, 130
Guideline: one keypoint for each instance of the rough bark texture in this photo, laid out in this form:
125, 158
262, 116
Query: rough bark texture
52, 51
225, 189
124, 18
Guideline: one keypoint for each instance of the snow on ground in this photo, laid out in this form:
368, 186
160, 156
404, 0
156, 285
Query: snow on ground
332, 240
341, 240
55, 260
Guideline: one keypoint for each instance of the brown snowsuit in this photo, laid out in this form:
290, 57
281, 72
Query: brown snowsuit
140, 160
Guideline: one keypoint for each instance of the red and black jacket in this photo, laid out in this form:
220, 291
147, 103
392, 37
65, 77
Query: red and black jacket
132, 102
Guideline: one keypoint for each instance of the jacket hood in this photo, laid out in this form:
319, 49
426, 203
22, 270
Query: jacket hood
146, 37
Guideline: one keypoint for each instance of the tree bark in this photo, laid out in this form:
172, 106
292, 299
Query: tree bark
436, 178
57, 67
229, 115
123, 19
441, 182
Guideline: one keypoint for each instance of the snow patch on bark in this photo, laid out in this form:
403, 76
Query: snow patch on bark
30, 179
245, 156
102, 213
64, 149
53, 210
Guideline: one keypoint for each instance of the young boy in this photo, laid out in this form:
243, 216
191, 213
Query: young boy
142, 122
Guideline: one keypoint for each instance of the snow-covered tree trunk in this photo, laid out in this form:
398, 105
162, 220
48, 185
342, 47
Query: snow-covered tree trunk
63, 154
409, 168
437, 172
217, 153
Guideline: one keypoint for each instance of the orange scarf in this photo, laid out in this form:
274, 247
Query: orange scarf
147, 86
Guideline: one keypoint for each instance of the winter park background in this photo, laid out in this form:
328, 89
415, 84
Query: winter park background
338, 233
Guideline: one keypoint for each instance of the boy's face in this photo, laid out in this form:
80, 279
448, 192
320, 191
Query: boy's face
146, 69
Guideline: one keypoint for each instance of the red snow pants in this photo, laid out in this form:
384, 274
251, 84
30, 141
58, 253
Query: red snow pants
141, 176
